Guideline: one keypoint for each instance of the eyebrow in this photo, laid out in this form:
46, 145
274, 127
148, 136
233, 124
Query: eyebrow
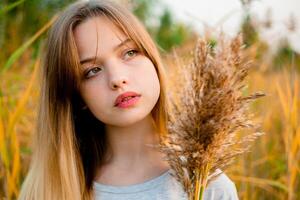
90, 59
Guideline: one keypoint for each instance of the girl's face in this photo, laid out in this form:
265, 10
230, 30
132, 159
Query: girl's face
113, 65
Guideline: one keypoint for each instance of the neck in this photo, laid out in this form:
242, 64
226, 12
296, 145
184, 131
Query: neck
128, 145
130, 156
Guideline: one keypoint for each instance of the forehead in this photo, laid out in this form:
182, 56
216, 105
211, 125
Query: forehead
97, 34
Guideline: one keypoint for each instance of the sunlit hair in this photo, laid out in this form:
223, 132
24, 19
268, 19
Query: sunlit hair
70, 142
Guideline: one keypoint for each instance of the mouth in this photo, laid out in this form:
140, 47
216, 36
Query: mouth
128, 103
127, 99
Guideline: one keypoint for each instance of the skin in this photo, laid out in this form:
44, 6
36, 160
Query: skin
120, 67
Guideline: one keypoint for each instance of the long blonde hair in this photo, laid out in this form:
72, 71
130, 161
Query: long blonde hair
70, 144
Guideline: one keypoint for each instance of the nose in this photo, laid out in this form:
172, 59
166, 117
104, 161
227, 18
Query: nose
117, 74
118, 83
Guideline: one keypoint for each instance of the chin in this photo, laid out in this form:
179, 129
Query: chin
128, 120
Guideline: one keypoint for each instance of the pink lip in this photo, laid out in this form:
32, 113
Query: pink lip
120, 102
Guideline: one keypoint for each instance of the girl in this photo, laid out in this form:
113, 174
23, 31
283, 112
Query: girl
103, 104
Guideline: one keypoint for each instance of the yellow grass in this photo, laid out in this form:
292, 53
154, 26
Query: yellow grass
280, 119
289, 103
10, 146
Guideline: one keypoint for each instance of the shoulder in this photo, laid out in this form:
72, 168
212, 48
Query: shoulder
221, 188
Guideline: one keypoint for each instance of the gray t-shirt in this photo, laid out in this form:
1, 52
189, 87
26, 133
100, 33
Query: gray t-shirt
165, 187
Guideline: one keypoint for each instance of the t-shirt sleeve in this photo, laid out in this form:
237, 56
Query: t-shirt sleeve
222, 188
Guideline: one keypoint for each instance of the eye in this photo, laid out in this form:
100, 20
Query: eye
92, 72
131, 53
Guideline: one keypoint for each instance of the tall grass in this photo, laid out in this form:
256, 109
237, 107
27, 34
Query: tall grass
9, 143
272, 170
18, 98
290, 105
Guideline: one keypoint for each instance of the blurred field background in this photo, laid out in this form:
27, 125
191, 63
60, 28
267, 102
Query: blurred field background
270, 171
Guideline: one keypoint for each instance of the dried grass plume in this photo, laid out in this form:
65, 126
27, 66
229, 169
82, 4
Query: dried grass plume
208, 111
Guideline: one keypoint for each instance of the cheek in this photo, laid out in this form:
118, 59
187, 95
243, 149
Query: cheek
96, 98
93, 94
149, 79
156, 87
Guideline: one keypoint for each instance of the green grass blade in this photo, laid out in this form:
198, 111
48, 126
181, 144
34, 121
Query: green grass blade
11, 6
16, 54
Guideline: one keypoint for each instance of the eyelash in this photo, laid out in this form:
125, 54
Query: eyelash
86, 74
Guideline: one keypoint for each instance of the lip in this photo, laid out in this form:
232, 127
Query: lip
119, 100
